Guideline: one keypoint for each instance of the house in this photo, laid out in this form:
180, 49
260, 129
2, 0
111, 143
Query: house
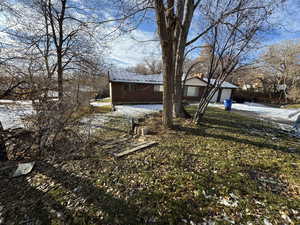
131, 88
254, 83
195, 86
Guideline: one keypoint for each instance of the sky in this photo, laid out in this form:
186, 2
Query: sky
128, 50
142, 43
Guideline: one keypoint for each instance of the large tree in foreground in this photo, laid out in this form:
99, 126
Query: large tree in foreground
174, 21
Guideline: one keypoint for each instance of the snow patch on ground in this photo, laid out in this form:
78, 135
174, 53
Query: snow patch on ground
99, 104
280, 115
7, 101
12, 112
126, 111
136, 110
263, 111
93, 122
95, 119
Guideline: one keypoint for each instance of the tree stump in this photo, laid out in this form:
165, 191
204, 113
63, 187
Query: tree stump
141, 130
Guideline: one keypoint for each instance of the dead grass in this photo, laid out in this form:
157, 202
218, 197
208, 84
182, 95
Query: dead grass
230, 168
101, 109
104, 100
292, 106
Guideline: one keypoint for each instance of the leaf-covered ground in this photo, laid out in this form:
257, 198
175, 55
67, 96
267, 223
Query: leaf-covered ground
230, 169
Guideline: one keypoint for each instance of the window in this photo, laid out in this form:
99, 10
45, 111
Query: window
192, 91
158, 88
129, 87
142, 87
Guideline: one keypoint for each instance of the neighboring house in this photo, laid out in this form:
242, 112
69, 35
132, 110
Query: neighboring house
255, 84
126, 87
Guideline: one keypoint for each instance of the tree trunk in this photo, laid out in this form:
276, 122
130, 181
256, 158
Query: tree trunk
3, 153
200, 111
168, 76
178, 111
165, 22
177, 104
207, 96
167, 105
185, 18
59, 40
60, 79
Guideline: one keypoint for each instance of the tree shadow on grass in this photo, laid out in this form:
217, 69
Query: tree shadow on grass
244, 130
201, 132
116, 210
26, 204
239, 125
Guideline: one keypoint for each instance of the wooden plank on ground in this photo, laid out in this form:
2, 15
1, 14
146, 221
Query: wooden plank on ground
140, 147
112, 144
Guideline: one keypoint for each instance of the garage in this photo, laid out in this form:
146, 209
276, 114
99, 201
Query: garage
225, 94
215, 97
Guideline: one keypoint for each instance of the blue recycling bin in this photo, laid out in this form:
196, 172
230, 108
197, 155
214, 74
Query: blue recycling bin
228, 104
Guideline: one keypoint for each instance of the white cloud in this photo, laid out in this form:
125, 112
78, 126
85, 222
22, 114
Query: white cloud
130, 49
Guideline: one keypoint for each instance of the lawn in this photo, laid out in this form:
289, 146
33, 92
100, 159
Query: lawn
101, 106
107, 100
292, 106
230, 169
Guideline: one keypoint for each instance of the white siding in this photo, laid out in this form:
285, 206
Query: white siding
226, 94
193, 91
215, 97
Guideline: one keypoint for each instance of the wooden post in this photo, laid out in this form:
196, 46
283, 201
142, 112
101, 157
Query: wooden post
132, 125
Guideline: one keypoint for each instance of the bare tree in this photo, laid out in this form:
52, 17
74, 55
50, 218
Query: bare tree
281, 62
229, 41
174, 21
58, 33
148, 66
61, 36
154, 66
140, 68
47, 40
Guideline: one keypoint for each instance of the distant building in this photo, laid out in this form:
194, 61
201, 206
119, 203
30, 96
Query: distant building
255, 84
131, 88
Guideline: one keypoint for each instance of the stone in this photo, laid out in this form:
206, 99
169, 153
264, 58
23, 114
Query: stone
23, 169
59, 215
